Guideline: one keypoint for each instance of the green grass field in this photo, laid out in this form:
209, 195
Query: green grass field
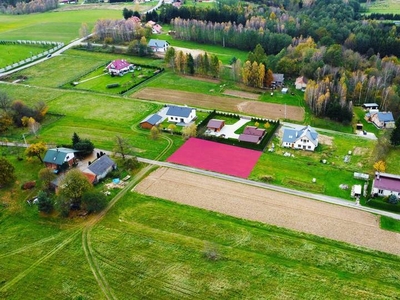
14, 53
156, 249
383, 7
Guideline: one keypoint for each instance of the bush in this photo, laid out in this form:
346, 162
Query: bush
28, 185
94, 201
44, 203
113, 85
267, 178
393, 199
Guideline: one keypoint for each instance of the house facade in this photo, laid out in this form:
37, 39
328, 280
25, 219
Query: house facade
386, 184
306, 138
56, 157
301, 83
119, 67
181, 115
158, 45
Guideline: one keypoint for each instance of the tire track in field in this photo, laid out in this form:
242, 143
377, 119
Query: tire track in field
34, 244
39, 261
86, 244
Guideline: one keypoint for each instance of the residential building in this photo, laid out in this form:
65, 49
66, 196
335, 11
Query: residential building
305, 138
158, 45
119, 67
252, 134
181, 115
56, 157
215, 125
386, 184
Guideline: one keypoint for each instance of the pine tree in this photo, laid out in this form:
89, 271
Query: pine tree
395, 136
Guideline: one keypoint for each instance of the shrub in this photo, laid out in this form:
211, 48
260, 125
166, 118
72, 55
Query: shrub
267, 178
28, 185
393, 199
113, 85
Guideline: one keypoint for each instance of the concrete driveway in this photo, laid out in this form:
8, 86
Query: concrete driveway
229, 130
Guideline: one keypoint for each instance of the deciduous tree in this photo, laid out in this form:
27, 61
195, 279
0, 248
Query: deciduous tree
46, 176
122, 146
45, 204
94, 201
380, 166
7, 175
154, 132
189, 131
73, 186
36, 150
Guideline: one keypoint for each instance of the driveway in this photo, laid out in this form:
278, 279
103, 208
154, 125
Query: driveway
229, 130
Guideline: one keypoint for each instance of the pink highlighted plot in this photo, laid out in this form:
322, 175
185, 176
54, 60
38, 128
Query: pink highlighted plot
216, 157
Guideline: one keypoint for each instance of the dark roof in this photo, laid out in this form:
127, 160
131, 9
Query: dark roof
249, 138
252, 130
388, 182
100, 165
179, 111
57, 155
152, 119
370, 105
214, 123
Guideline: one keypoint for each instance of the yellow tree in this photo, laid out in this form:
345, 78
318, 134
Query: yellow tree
380, 166
36, 150
246, 72
261, 74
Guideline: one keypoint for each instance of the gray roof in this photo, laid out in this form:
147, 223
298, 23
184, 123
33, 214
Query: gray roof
278, 77
100, 165
152, 119
385, 117
370, 105
57, 155
179, 111
292, 135
157, 43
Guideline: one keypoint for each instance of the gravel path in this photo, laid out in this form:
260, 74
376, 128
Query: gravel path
297, 213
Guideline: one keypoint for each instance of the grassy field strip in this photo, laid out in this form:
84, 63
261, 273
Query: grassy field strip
35, 244
39, 261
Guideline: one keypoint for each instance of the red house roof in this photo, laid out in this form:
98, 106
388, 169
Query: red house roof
118, 64
252, 130
251, 134
215, 124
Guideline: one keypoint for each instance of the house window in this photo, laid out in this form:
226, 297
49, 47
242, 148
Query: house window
380, 191
299, 146
309, 147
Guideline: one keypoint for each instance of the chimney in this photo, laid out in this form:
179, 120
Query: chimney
377, 175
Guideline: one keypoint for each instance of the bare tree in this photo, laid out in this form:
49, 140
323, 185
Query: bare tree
122, 146
5, 101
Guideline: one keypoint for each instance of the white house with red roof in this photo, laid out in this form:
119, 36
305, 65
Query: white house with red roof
386, 184
119, 67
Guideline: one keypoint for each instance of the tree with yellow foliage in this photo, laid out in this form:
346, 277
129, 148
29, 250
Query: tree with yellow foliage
380, 166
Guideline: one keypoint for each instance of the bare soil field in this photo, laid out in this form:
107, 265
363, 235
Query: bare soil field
257, 204
256, 108
241, 94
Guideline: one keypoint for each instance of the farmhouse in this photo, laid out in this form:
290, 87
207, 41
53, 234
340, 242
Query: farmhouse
215, 125
306, 138
99, 168
119, 67
56, 157
181, 115
380, 119
385, 184
150, 121
368, 106
252, 134
158, 45
301, 83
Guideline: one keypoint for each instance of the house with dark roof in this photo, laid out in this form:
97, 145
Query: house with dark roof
158, 45
385, 184
182, 115
119, 67
215, 125
100, 168
306, 138
382, 119
56, 157
252, 134
150, 121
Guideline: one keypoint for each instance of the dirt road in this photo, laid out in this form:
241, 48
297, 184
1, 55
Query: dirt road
297, 213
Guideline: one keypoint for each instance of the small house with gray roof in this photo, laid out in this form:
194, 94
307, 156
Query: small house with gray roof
181, 115
382, 119
306, 138
150, 121
100, 168
158, 45
56, 157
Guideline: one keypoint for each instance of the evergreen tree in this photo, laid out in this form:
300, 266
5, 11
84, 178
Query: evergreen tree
75, 139
44, 203
395, 136
190, 64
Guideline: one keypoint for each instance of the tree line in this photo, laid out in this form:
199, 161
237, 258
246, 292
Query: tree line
29, 7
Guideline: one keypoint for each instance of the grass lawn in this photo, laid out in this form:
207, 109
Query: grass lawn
152, 248
393, 161
16, 53
278, 97
298, 171
58, 26
390, 224
383, 7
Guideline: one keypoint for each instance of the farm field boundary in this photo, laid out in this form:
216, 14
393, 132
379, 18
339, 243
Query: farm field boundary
256, 108
293, 212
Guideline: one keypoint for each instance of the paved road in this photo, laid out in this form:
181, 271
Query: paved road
319, 197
